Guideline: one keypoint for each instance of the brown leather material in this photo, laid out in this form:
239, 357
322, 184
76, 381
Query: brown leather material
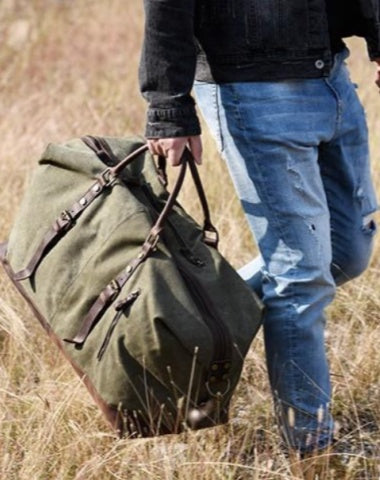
120, 307
203, 416
67, 218
124, 422
110, 412
160, 222
161, 171
106, 298
102, 149
61, 226
112, 290
210, 233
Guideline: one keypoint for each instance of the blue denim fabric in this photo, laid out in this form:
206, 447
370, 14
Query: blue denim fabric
297, 151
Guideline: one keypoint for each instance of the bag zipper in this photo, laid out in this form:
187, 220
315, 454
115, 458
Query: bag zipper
120, 308
220, 364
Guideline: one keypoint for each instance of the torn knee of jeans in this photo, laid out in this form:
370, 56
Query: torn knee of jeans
368, 207
369, 225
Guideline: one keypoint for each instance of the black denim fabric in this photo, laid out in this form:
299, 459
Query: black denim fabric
237, 41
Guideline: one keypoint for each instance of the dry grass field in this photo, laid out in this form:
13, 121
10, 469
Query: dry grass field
68, 68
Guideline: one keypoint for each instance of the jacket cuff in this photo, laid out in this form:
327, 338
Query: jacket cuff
172, 122
374, 55
373, 44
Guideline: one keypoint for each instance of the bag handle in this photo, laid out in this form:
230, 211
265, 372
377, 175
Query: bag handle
101, 148
112, 290
107, 177
66, 219
210, 234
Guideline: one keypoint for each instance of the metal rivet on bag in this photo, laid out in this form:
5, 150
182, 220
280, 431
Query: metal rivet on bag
214, 367
83, 201
227, 366
319, 64
212, 379
96, 188
140, 255
129, 269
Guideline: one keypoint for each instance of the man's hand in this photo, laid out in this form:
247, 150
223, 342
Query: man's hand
377, 81
172, 148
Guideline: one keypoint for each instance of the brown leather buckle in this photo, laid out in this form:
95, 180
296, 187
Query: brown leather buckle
66, 216
64, 221
106, 179
115, 287
211, 238
152, 241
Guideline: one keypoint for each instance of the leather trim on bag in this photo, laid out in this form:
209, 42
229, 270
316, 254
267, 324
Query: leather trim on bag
67, 218
111, 413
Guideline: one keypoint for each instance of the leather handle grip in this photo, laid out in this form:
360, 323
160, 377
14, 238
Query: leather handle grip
101, 148
210, 234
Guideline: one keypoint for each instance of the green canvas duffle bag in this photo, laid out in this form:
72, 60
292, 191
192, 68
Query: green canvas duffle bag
131, 289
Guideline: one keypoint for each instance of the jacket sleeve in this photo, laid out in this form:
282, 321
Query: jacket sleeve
371, 15
167, 68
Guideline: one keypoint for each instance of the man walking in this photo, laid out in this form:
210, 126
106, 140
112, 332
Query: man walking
273, 87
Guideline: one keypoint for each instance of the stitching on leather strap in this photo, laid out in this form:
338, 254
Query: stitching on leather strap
106, 297
60, 227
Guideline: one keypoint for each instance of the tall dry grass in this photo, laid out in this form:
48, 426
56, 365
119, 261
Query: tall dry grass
69, 68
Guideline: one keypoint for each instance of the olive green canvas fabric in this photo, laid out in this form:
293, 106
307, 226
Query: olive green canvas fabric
168, 350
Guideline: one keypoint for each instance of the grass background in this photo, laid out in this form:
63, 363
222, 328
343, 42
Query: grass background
68, 68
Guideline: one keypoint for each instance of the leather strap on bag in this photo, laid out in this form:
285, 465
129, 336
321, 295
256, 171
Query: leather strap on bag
67, 218
210, 234
112, 290
105, 180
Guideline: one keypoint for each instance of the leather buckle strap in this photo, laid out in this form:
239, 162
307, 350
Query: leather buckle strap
101, 149
151, 242
210, 235
106, 178
64, 222
67, 218
106, 298
60, 227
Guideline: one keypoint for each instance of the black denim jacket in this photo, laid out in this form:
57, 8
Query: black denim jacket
236, 41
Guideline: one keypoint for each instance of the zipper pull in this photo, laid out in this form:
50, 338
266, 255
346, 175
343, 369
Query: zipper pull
121, 304
119, 307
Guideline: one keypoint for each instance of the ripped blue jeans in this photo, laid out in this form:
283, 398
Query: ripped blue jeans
297, 152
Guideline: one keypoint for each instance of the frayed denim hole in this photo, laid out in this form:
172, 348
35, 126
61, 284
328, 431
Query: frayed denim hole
368, 207
369, 226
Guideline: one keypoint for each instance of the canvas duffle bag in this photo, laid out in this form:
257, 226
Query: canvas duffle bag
131, 289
